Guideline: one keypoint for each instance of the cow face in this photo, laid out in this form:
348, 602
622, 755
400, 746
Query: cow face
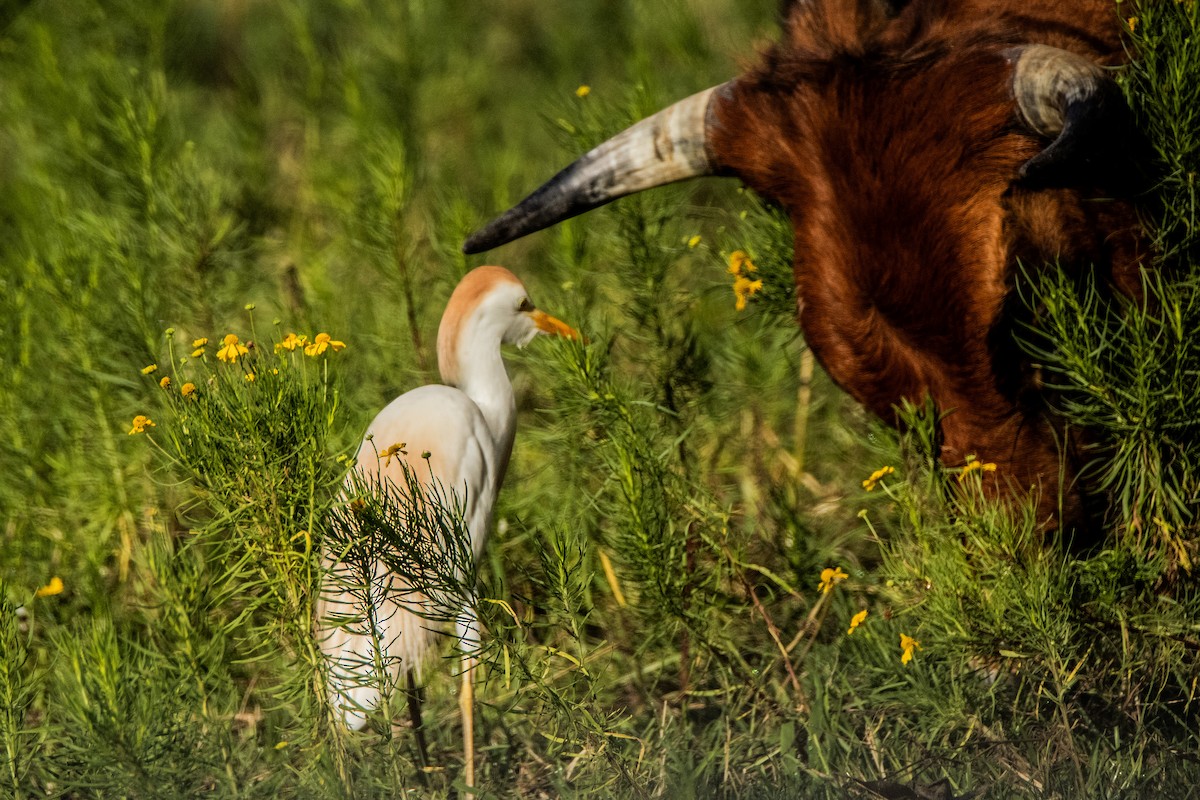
920, 156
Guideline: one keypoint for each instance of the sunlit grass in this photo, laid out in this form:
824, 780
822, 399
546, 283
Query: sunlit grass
702, 582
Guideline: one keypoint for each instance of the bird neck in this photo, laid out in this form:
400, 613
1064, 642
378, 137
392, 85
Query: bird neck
481, 376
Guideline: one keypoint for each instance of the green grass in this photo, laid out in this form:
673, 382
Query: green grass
655, 626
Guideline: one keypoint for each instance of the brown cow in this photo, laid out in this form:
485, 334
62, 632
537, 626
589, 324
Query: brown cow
921, 150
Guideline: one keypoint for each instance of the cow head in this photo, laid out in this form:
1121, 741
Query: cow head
920, 156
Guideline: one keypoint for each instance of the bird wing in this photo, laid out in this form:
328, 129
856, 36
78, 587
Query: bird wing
443, 422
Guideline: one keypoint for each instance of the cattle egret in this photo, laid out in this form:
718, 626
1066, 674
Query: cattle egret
457, 436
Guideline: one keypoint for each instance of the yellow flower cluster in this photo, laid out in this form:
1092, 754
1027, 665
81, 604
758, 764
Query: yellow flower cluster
320, 343
389, 452
974, 465
291, 342
140, 423
163, 382
740, 267
876, 476
55, 586
857, 620
907, 645
831, 577
231, 349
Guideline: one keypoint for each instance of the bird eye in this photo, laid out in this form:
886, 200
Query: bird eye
525, 306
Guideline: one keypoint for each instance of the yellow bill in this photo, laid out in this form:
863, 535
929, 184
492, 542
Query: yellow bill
548, 324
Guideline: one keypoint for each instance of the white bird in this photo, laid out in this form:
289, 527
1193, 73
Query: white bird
466, 428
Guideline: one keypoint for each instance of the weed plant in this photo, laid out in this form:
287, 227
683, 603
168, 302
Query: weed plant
711, 575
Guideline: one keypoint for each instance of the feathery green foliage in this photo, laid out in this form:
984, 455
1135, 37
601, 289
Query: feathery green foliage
673, 599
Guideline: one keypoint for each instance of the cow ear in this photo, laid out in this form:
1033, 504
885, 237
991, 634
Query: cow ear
1099, 139
1076, 104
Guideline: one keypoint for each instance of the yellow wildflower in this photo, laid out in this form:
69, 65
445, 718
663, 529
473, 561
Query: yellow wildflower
146, 370
55, 586
250, 377
231, 349
907, 645
695, 240
1133, 21
856, 620
974, 465
583, 91
199, 351
165, 382
876, 476
188, 389
744, 288
320, 343
140, 423
388, 452
201, 342
830, 578
290, 342
738, 261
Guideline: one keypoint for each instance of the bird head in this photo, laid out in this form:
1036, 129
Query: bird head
490, 306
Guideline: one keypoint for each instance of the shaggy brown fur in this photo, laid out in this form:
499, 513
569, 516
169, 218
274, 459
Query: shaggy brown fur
891, 138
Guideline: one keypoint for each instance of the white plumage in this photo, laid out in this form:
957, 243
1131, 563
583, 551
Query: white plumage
467, 428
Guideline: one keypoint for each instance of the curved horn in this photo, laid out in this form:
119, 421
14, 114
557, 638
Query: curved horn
669, 146
1065, 97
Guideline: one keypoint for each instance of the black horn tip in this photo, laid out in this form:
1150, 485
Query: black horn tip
559, 199
477, 242
669, 146
498, 231
509, 226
